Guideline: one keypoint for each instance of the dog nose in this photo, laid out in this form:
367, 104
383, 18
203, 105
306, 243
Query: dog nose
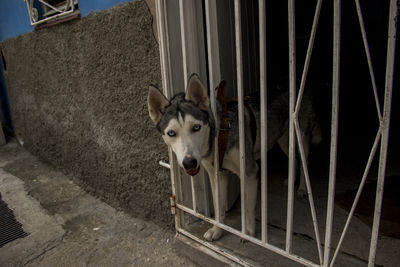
189, 163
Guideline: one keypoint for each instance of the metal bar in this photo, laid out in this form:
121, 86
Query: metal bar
357, 197
308, 55
183, 41
194, 194
385, 123
166, 82
254, 48
163, 48
28, 6
309, 190
334, 128
33, 23
164, 164
248, 237
54, 8
264, 108
214, 77
62, 13
217, 249
292, 144
367, 53
67, 4
298, 133
184, 6
238, 37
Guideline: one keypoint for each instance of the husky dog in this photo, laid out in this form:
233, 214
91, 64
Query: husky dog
187, 125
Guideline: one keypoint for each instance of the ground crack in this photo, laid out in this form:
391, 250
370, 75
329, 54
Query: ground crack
47, 249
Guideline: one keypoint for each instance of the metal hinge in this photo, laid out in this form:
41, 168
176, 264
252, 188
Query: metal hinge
173, 204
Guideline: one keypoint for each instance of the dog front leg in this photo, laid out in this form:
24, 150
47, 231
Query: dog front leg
302, 190
251, 199
214, 233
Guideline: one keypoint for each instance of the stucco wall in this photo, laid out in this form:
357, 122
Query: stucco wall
78, 99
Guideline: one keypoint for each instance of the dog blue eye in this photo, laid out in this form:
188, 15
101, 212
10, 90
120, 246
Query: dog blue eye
196, 127
171, 133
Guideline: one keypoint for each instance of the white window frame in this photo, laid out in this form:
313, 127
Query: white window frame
63, 9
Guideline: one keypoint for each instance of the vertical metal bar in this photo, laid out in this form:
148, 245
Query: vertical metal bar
367, 53
239, 67
263, 100
183, 40
214, 77
334, 128
292, 144
194, 193
163, 47
254, 48
183, 8
385, 123
166, 81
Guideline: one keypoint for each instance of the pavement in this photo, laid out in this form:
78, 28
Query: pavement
68, 227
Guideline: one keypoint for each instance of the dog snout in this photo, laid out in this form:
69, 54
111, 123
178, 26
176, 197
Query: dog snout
189, 163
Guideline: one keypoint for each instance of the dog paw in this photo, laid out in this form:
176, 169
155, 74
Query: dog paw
251, 231
301, 193
214, 233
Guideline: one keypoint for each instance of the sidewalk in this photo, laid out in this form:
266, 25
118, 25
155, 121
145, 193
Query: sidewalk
68, 227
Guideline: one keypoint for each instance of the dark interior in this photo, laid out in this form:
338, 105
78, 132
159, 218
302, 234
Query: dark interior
358, 119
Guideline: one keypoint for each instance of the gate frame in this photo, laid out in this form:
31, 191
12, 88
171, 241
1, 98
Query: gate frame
294, 132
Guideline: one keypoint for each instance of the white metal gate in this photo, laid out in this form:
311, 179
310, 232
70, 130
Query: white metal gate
190, 46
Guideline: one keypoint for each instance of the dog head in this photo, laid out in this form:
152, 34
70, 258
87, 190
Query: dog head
185, 123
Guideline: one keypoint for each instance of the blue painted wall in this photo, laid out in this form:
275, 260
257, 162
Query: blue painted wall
14, 19
88, 6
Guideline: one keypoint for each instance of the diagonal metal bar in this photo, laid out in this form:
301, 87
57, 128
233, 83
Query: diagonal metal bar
263, 100
385, 123
292, 144
308, 56
66, 7
334, 128
357, 197
367, 53
309, 190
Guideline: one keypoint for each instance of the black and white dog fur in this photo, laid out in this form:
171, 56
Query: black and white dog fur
187, 125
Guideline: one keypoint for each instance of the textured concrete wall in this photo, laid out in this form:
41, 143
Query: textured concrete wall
78, 99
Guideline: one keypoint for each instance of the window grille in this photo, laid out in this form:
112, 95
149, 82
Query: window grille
41, 11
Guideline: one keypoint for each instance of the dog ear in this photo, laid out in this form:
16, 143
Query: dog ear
156, 103
197, 93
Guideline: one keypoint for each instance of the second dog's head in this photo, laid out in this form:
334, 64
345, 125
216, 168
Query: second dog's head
184, 122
